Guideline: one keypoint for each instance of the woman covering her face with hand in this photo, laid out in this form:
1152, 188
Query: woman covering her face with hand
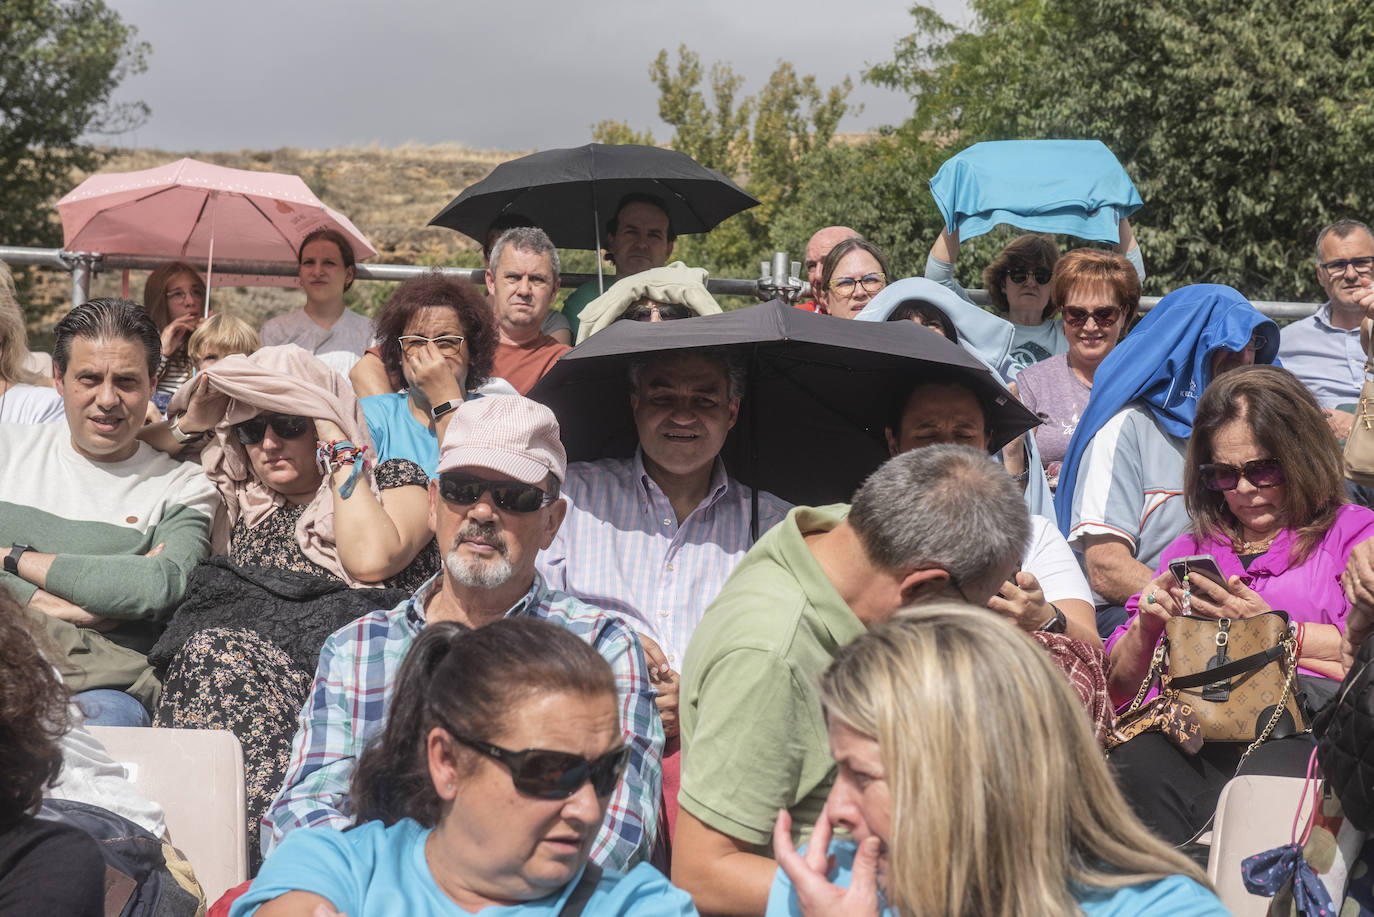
970, 783
437, 334
501, 750
174, 296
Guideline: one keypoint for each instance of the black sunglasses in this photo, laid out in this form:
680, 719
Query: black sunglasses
1260, 473
512, 496
1019, 275
1075, 317
553, 774
286, 426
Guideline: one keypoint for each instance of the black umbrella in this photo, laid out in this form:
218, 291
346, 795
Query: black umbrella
571, 193
820, 391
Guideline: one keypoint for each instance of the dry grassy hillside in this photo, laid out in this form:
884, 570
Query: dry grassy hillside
390, 194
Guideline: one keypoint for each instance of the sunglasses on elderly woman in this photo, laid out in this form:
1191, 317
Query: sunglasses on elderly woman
1260, 473
1019, 275
512, 496
285, 426
1076, 318
553, 774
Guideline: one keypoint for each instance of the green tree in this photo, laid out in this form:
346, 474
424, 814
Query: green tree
1245, 127
760, 141
60, 60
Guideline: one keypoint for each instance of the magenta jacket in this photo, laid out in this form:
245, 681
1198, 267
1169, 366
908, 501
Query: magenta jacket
1310, 593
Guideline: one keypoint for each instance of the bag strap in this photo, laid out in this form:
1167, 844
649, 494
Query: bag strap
582, 892
1229, 670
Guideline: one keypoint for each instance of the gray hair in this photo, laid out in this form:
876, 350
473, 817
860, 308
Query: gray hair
525, 239
735, 373
107, 319
1342, 229
942, 506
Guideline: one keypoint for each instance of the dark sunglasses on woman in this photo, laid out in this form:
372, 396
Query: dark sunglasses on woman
1260, 473
1076, 318
1019, 275
285, 426
512, 496
553, 774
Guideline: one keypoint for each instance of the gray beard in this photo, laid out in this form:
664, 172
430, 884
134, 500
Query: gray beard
479, 574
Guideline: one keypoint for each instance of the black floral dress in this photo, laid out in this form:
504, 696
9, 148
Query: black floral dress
235, 678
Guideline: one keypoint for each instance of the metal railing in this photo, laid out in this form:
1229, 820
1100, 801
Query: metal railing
778, 278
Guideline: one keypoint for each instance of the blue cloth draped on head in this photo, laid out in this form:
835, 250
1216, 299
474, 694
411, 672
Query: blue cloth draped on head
982, 334
1165, 363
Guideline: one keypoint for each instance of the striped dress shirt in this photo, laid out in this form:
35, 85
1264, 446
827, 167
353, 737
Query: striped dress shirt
621, 547
352, 691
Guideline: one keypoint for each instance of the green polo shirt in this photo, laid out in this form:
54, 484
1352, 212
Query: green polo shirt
753, 735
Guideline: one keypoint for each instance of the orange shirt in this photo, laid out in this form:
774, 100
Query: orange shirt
522, 365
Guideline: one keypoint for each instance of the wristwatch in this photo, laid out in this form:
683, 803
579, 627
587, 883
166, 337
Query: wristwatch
1056, 625
174, 428
448, 407
12, 558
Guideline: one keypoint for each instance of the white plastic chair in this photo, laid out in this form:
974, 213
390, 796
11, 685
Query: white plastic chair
1254, 814
196, 775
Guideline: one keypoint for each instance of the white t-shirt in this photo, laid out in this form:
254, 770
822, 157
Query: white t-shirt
31, 404
1050, 560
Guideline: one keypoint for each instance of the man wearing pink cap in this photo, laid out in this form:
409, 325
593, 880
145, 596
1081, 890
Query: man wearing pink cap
493, 506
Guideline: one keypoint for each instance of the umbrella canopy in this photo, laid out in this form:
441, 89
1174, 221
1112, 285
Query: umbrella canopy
193, 209
571, 193
820, 391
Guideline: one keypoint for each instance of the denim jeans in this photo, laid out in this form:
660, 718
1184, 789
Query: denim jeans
107, 707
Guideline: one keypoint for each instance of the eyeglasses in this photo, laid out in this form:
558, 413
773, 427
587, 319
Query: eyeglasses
449, 344
512, 496
553, 774
1076, 318
1363, 265
1260, 473
871, 283
285, 426
1019, 275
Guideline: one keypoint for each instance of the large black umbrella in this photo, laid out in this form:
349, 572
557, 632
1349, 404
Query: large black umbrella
820, 391
571, 193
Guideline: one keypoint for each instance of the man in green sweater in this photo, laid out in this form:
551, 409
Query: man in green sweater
638, 237
99, 532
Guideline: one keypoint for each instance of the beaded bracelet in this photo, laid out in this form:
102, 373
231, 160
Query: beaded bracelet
329, 455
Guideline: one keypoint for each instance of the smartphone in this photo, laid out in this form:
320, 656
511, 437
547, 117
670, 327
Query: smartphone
1197, 565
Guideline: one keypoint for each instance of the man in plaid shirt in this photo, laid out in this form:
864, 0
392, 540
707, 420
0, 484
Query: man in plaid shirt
493, 506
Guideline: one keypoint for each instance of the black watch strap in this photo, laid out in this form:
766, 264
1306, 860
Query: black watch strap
12, 558
1057, 624
448, 407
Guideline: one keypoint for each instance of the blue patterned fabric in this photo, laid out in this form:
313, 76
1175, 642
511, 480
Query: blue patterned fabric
1267, 872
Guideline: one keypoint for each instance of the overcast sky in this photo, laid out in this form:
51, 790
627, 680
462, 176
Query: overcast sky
508, 75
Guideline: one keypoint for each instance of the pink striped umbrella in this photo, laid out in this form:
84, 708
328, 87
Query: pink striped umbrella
197, 210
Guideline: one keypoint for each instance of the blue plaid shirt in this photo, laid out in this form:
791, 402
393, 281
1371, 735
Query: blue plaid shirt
352, 690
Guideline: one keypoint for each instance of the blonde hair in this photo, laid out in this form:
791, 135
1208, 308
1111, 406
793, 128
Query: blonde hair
14, 336
1002, 802
224, 334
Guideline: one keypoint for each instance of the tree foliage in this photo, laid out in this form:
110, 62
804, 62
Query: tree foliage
60, 60
762, 141
1246, 127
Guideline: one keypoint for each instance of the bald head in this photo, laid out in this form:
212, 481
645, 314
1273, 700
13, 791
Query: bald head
819, 246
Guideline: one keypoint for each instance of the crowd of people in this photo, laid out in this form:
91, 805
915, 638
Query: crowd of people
467, 671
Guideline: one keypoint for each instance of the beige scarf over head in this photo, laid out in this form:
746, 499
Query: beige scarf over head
284, 379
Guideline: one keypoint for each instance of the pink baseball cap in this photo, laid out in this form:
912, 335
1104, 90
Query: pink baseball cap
506, 434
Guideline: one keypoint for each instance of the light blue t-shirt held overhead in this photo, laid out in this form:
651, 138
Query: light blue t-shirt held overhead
372, 871
1176, 896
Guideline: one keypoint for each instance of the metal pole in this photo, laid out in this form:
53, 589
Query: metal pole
83, 265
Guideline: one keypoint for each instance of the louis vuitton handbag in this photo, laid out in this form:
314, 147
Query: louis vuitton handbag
1221, 680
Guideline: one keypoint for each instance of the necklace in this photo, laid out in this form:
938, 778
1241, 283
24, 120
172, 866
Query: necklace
1257, 547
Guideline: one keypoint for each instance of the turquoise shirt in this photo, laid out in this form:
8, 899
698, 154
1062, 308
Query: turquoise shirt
373, 871
1176, 896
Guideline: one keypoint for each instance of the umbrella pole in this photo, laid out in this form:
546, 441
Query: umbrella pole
596, 229
210, 261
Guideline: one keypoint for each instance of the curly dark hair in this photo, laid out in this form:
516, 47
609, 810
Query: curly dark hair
470, 680
33, 716
434, 289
